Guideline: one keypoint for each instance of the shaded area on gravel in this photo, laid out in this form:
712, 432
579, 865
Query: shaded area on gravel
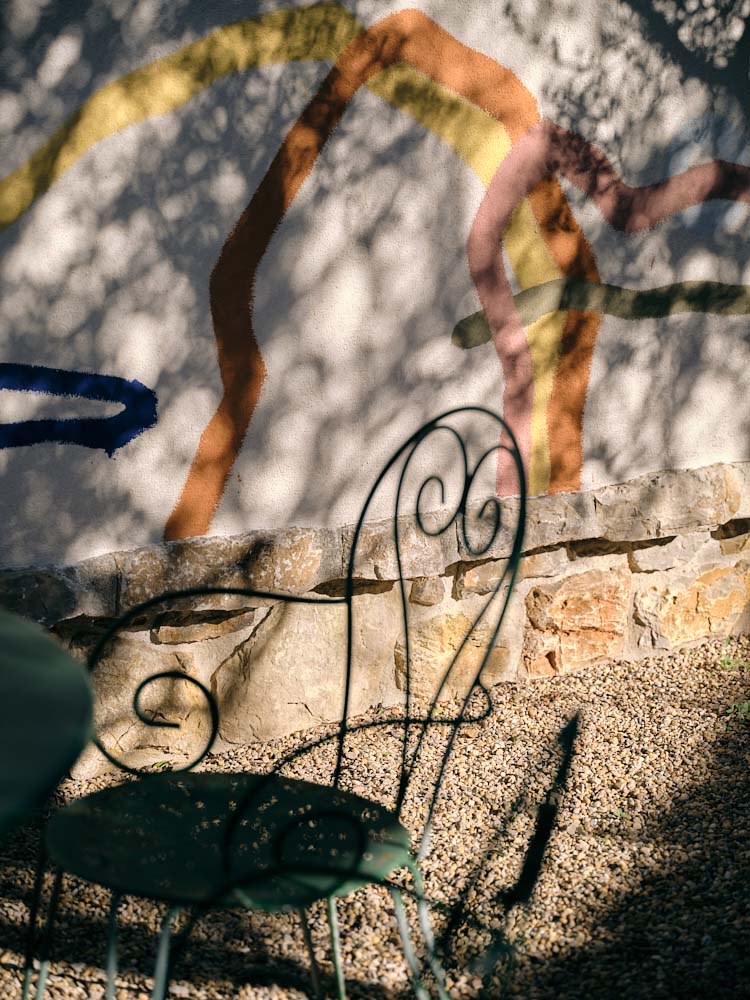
643, 892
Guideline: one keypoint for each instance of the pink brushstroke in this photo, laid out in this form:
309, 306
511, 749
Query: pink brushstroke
547, 150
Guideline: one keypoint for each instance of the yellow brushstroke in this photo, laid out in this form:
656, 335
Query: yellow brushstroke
482, 142
317, 32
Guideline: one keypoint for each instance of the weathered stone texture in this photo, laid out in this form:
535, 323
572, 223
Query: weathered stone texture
215, 627
667, 503
434, 643
294, 561
676, 611
734, 545
427, 591
576, 622
489, 532
658, 562
478, 578
554, 562
49, 595
677, 551
128, 661
290, 674
559, 517
421, 554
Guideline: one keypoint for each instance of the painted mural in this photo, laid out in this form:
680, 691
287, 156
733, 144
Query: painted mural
242, 259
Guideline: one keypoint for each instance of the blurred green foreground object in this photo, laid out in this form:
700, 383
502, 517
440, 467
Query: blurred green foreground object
45, 717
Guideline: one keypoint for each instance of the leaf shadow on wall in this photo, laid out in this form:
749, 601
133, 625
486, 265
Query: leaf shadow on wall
661, 393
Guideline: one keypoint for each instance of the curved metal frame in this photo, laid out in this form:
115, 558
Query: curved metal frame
489, 516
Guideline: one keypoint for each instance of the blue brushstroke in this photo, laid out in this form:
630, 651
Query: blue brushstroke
107, 433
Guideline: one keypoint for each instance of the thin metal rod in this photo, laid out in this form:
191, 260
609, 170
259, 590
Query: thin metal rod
403, 929
180, 943
46, 944
314, 971
36, 895
423, 915
161, 969
112, 946
333, 923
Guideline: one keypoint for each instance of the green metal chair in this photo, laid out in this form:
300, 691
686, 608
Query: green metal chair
200, 840
46, 708
45, 717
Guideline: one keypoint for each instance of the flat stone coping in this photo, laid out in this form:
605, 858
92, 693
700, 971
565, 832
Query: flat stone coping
299, 560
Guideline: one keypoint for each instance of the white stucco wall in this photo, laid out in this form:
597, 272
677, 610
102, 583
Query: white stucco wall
364, 280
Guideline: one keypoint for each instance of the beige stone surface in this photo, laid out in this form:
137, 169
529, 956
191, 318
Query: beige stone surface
128, 661
49, 595
294, 561
478, 578
213, 628
573, 623
481, 536
434, 644
422, 554
667, 503
674, 611
427, 591
554, 562
290, 674
677, 551
560, 517
734, 544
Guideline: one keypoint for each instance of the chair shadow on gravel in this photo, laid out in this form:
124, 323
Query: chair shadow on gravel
686, 932
236, 954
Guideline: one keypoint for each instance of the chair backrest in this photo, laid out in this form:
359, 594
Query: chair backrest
488, 482
457, 498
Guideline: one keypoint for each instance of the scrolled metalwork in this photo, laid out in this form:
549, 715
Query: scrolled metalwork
140, 611
278, 838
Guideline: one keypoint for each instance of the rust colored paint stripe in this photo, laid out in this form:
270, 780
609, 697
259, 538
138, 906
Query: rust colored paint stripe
514, 179
408, 37
546, 150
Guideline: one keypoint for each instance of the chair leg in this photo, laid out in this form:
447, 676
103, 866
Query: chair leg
161, 970
403, 928
46, 944
314, 972
333, 923
112, 946
179, 944
36, 896
423, 915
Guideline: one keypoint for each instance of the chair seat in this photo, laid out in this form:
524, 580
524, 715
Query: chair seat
263, 841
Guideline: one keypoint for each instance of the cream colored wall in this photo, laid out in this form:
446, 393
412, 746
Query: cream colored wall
367, 275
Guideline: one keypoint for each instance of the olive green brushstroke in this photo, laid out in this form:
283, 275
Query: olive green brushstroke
627, 303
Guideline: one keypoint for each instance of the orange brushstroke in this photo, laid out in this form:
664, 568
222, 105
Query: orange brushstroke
406, 37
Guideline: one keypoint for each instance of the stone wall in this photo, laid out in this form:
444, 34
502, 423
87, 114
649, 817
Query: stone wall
655, 563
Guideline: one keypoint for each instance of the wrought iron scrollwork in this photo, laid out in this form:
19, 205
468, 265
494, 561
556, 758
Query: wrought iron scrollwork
336, 837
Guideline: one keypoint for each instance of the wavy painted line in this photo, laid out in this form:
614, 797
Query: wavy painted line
319, 31
629, 209
547, 150
108, 433
482, 142
681, 297
406, 38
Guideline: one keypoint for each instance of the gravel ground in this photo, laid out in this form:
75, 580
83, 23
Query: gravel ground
642, 892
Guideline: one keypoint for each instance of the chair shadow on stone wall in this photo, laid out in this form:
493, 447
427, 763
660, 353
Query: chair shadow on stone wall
199, 840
